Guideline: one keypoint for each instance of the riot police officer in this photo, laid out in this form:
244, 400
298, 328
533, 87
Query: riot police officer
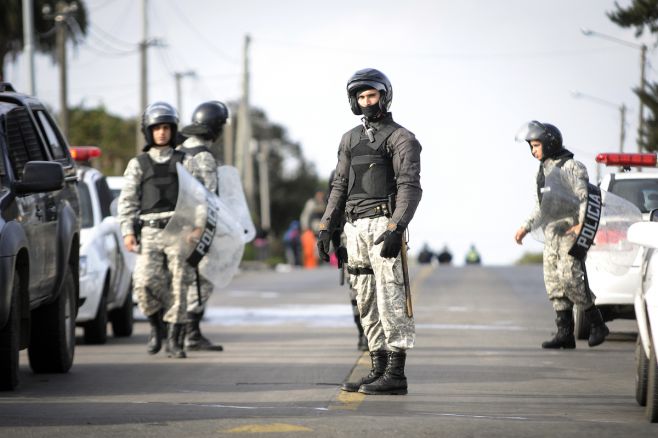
146, 203
564, 275
208, 120
377, 187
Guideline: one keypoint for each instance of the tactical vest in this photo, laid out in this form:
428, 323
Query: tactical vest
159, 183
371, 168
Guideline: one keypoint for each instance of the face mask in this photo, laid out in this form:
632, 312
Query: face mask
371, 111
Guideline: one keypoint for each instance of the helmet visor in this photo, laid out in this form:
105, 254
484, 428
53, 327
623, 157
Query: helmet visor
362, 85
532, 130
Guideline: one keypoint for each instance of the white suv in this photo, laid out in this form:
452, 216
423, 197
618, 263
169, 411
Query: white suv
105, 266
615, 293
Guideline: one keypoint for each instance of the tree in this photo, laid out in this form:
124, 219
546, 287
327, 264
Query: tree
11, 27
642, 14
113, 134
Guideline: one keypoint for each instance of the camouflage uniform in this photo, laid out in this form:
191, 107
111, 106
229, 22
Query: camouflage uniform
563, 274
380, 295
161, 274
207, 167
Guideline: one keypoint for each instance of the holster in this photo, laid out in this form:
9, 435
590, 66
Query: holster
137, 228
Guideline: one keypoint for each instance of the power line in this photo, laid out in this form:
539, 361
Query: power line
182, 17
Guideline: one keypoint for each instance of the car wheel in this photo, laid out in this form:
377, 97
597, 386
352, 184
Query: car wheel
581, 325
652, 388
96, 329
641, 373
10, 342
122, 318
52, 340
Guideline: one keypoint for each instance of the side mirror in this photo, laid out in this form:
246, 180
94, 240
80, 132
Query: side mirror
40, 176
653, 215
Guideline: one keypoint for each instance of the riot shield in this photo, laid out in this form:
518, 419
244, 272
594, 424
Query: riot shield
603, 235
612, 251
232, 195
205, 231
559, 204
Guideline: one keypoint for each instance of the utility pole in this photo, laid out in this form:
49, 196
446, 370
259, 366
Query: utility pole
264, 185
622, 130
643, 63
178, 76
143, 76
63, 11
28, 44
243, 156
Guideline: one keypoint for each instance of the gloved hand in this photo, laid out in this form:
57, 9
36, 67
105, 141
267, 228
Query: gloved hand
324, 240
392, 243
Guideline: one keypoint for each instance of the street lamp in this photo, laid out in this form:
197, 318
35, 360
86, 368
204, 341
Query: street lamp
622, 113
643, 62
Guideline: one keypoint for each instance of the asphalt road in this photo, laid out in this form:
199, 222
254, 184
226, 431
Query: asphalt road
477, 369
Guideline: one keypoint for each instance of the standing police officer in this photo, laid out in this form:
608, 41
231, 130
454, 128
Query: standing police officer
564, 275
208, 121
377, 187
146, 202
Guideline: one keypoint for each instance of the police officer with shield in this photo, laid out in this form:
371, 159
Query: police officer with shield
377, 188
146, 203
208, 120
565, 276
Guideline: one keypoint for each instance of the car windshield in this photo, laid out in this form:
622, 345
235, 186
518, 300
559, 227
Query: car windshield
641, 192
86, 210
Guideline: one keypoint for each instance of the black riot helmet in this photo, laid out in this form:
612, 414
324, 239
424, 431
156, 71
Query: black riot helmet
156, 114
366, 79
208, 120
549, 136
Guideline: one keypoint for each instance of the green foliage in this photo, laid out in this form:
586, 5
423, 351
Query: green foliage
530, 258
11, 28
640, 14
114, 135
649, 138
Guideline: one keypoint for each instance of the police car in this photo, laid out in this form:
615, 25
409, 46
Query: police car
646, 309
105, 266
615, 294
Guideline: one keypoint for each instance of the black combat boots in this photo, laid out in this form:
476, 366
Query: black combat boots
194, 340
598, 330
379, 358
564, 337
175, 334
157, 333
393, 381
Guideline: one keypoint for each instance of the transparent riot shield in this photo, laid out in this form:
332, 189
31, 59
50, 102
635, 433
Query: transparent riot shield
205, 231
559, 204
232, 195
612, 251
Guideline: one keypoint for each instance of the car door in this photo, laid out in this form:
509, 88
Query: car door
57, 150
24, 145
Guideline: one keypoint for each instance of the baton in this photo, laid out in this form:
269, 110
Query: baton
405, 276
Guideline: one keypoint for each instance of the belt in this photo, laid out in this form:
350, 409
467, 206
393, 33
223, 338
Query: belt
379, 210
360, 271
155, 223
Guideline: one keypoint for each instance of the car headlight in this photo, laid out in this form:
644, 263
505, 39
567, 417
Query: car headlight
83, 266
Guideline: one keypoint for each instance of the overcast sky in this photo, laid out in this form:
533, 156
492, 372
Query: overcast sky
466, 74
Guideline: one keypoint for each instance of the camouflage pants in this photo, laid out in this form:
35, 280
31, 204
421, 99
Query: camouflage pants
193, 304
564, 277
161, 277
380, 297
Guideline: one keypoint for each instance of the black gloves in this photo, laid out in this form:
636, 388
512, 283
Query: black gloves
392, 243
324, 240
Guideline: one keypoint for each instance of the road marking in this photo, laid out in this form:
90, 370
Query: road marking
422, 276
269, 428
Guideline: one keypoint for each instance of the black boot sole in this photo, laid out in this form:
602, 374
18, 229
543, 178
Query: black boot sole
402, 391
